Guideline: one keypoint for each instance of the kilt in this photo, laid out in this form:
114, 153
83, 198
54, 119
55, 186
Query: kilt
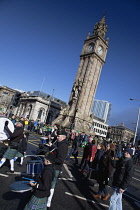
12, 153
36, 203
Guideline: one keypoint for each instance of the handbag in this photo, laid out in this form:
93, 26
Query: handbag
14, 145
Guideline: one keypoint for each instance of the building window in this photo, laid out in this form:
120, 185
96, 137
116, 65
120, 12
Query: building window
39, 114
5, 93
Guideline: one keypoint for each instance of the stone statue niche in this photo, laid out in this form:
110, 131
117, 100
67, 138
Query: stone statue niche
74, 96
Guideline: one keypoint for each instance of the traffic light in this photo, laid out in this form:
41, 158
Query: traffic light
16, 99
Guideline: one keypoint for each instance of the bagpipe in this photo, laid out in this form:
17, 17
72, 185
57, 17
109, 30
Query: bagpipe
4, 136
3, 133
45, 147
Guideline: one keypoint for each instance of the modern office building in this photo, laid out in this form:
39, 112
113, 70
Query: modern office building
101, 109
100, 127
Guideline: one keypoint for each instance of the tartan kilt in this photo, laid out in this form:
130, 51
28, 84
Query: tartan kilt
36, 203
12, 153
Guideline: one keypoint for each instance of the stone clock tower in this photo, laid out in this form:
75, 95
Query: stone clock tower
77, 114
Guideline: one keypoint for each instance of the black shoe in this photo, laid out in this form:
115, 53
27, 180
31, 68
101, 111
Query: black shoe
10, 172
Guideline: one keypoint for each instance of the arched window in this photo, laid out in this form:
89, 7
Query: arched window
40, 112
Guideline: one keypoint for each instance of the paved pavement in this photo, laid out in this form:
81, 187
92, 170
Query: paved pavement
73, 191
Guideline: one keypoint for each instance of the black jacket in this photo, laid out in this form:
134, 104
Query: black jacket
105, 170
42, 189
17, 135
75, 143
97, 158
123, 173
60, 154
86, 150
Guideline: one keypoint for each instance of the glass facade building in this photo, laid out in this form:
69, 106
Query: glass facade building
101, 109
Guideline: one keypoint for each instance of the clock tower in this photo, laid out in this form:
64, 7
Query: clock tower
77, 114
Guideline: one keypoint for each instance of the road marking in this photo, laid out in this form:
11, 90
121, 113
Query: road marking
69, 173
85, 199
132, 198
77, 157
35, 136
67, 179
4, 175
33, 144
33, 140
137, 204
137, 170
15, 172
135, 178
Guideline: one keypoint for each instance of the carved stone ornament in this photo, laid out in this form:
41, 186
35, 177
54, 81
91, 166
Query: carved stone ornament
100, 28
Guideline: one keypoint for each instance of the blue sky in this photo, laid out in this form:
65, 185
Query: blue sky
44, 38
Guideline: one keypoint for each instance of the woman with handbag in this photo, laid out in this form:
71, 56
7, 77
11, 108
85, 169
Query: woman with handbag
14, 147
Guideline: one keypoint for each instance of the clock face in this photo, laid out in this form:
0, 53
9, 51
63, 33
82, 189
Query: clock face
90, 47
100, 50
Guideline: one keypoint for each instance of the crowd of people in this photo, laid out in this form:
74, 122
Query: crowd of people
107, 162
110, 164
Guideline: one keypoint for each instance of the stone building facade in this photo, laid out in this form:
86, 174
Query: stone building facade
120, 133
34, 105
6, 95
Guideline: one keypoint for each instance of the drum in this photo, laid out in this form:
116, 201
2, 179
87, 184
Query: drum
3, 133
43, 140
20, 186
34, 167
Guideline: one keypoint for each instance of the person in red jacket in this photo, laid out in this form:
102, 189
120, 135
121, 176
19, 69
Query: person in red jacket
89, 154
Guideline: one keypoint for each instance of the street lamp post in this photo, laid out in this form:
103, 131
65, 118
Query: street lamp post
137, 123
136, 126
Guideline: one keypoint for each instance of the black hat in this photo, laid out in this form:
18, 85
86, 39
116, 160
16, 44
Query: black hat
50, 157
129, 150
61, 132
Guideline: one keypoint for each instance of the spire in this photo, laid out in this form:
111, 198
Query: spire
88, 36
100, 28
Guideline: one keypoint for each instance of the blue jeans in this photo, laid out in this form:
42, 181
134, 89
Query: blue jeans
102, 188
116, 200
119, 154
70, 153
56, 175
